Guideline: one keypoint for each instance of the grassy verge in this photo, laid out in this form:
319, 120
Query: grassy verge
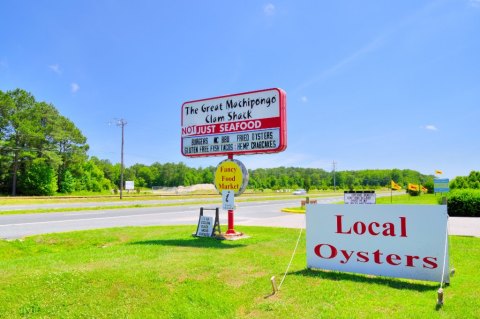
198, 201
163, 272
23, 200
79, 209
155, 201
425, 199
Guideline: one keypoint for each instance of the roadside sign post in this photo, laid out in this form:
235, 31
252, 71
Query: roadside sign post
236, 124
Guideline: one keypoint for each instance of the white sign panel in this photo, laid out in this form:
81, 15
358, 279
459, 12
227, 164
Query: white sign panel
228, 199
359, 198
129, 185
243, 123
403, 241
205, 226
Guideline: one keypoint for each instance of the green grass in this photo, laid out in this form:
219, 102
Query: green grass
164, 272
424, 199
199, 199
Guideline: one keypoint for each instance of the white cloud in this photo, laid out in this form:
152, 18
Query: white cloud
55, 68
304, 99
74, 87
269, 9
430, 127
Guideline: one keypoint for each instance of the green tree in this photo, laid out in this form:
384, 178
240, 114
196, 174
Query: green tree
18, 130
40, 179
31, 130
67, 184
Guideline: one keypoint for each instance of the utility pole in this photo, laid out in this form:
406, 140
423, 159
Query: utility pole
122, 123
334, 182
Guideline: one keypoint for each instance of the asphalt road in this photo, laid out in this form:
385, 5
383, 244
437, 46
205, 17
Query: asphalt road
248, 213
266, 213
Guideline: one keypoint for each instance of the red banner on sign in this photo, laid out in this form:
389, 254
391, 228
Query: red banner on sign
240, 126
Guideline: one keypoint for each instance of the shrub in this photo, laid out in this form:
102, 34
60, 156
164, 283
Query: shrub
413, 193
67, 185
40, 179
464, 203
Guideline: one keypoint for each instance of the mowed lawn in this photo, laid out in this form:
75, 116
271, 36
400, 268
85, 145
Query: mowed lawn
164, 272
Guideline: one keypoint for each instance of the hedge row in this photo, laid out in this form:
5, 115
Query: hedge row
464, 203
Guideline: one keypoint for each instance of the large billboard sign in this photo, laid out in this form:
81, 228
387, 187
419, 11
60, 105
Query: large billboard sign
245, 123
403, 241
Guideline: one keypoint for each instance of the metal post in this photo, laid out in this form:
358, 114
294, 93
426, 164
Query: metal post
122, 123
334, 182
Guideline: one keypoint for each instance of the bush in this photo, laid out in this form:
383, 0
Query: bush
67, 185
413, 193
40, 179
464, 203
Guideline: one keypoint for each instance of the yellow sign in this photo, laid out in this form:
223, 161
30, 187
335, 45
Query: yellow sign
231, 175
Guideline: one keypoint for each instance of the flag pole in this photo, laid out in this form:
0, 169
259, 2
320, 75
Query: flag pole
391, 191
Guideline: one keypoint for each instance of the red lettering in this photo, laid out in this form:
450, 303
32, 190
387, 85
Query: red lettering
318, 251
359, 228
362, 256
327, 251
376, 256
370, 228
410, 260
373, 228
346, 255
430, 261
393, 259
403, 227
339, 226
389, 229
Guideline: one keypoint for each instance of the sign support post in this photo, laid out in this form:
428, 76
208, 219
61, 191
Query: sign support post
235, 124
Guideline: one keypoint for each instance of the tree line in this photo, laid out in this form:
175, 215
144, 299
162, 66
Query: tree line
472, 181
42, 153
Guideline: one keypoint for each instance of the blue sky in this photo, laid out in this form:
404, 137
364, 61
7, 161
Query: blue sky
370, 84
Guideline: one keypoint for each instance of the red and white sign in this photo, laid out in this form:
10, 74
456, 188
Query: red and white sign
244, 123
403, 241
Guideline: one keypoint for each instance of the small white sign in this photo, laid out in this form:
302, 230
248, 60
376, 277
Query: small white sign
228, 199
402, 241
359, 198
205, 226
129, 185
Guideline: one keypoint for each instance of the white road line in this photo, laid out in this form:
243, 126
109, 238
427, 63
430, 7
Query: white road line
83, 214
85, 219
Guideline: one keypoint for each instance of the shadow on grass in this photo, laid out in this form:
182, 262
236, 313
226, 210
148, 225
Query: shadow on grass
194, 242
390, 282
